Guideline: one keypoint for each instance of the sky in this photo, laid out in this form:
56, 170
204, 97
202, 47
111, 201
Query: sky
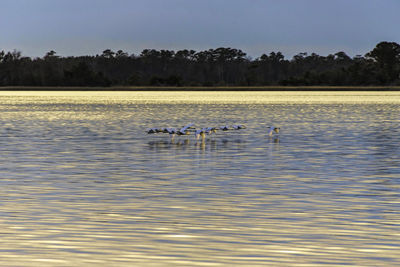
87, 27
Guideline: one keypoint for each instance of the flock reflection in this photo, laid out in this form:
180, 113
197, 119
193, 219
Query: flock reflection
83, 184
210, 145
203, 145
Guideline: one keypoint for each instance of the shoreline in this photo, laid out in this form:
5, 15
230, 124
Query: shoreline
206, 89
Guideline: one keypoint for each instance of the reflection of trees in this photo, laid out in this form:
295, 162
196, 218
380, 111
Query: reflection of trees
222, 66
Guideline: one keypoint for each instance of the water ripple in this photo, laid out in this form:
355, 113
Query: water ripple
81, 184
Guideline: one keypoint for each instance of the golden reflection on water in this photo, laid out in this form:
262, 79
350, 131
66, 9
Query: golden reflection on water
250, 97
81, 184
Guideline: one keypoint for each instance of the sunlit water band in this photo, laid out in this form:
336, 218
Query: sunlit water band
248, 97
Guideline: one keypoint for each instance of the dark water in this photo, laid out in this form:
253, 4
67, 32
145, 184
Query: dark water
82, 184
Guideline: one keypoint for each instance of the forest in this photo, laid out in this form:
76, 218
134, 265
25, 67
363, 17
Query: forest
213, 67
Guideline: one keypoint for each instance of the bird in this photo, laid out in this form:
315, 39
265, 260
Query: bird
200, 133
172, 132
273, 130
210, 130
189, 128
152, 130
182, 133
160, 130
184, 129
238, 127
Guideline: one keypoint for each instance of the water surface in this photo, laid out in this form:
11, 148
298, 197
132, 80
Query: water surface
82, 184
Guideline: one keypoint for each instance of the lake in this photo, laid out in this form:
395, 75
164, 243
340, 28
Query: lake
83, 184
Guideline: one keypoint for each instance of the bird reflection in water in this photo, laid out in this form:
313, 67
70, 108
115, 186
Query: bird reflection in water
274, 139
202, 144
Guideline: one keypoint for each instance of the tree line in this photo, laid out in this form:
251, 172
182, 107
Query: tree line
213, 67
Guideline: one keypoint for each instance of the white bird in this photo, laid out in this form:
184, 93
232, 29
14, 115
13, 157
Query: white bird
273, 130
184, 129
224, 128
189, 126
200, 133
210, 130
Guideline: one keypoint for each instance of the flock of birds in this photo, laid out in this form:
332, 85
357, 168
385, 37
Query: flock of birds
201, 133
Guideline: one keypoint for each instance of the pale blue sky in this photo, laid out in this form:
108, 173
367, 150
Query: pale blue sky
79, 27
